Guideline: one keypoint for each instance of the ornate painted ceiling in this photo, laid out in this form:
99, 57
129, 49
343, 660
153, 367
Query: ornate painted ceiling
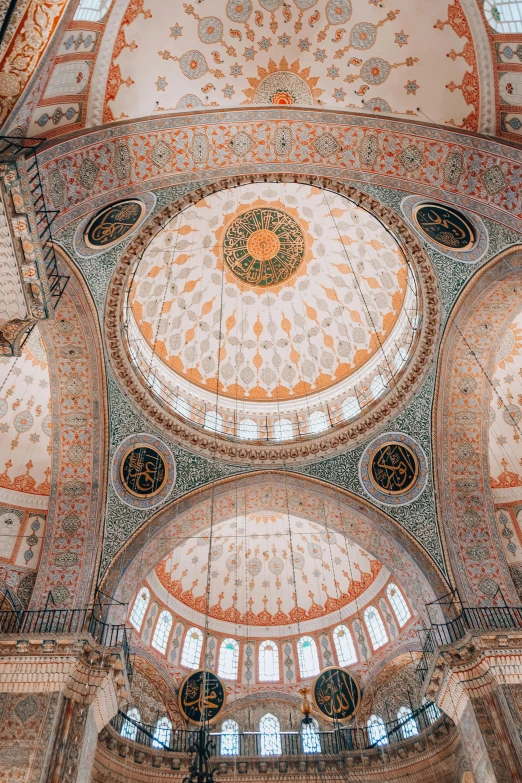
263, 579
314, 314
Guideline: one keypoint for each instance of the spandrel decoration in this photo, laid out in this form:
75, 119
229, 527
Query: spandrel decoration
113, 223
143, 471
201, 697
336, 694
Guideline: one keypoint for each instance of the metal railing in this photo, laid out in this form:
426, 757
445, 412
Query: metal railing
284, 743
478, 618
16, 146
67, 621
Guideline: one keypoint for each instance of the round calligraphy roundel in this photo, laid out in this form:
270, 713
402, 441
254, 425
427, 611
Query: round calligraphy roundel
113, 223
336, 694
201, 697
264, 247
143, 471
394, 469
445, 226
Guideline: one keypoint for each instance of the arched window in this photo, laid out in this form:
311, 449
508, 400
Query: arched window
228, 659
504, 16
377, 386
270, 735
91, 10
317, 422
376, 731
162, 732
283, 429
400, 358
181, 406
162, 631
248, 429
310, 737
191, 655
128, 729
350, 407
213, 421
375, 627
139, 608
230, 738
398, 604
409, 724
268, 661
344, 646
307, 655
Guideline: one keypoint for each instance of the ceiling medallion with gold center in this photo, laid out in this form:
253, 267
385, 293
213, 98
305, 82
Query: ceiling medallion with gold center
264, 247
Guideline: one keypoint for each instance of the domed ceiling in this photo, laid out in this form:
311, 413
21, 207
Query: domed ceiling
262, 579
407, 58
271, 311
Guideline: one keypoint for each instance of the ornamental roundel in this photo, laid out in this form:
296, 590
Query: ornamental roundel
143, 471
113, 223
201, 697
451, 231
393, 469
264, 247
336, 694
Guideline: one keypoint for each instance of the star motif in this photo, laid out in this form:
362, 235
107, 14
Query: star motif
4, 427
304, 44
228, 91
176, 31
320, 54
236, 70
34, 438
161, 83
339, 94
333, 72
284, 40
401, 38
265, 43
250, 53
411, 87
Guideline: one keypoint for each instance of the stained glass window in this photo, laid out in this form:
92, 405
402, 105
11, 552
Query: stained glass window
270, 735
229, 738
310, 737
162, 631
91, 10
344, 647
162, 732
398, 604
504, 16
307, 655
377, 731
409, 724
375, 627
228, 659
268, 661
128, 729
191, 655
139, 608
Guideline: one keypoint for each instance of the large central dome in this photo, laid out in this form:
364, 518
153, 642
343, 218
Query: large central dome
271, 310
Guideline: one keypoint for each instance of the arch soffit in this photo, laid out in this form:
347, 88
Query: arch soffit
461, 427
314, 500
79, 448
357, 147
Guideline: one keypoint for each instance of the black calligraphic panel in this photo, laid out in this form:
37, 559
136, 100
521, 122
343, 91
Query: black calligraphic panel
113, 223
394, 468
201, 697
336, 694
143, 470
446, 226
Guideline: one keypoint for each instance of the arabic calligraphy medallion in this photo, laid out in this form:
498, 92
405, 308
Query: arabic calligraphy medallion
336, 694
393, 469
143, 471
201, 697
264, 247
113, 223
445, 226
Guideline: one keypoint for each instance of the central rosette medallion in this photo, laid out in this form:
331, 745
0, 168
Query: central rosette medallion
264, 247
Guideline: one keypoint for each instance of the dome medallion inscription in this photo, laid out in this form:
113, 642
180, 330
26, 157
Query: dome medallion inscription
264, 247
